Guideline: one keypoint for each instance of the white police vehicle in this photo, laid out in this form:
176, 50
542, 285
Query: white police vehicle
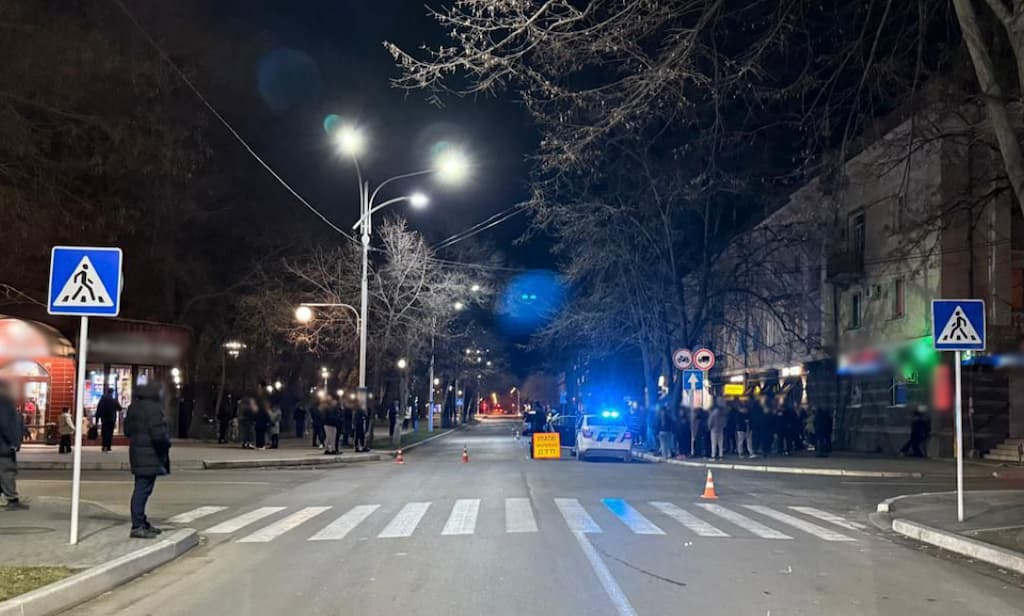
604, 435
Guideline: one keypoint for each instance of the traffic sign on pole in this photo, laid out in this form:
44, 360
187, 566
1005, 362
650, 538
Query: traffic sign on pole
693, 380
703, 359
958, 325
84, 282
682, 358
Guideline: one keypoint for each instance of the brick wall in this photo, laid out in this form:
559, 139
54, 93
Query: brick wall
62, 384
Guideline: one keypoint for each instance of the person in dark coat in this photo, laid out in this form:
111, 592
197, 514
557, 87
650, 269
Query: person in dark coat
148, 452
247, 422
261, 424
106, 415
299, 415
332, 421
316, 419
224, 416
392, 418
12, 429
919, 432
822, 433
346, 424
683, 434
702, 435
359, 424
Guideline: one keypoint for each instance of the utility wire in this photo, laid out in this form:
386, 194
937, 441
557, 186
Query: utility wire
166, 58
493, 221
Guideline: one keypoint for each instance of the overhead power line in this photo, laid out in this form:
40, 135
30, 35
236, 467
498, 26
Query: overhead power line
480, 227
195, 90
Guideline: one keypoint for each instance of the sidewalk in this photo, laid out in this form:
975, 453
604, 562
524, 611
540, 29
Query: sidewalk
843, 464
992, 530
104, 557
194, 455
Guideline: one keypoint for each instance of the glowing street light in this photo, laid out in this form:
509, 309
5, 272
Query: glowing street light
402, 364
418, 200
458, 306
351, 140
304, 314
475, 288
278, 385
452, 166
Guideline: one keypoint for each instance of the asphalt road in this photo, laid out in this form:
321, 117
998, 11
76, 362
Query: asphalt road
508, 535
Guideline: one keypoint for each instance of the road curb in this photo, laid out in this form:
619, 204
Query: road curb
958, 544
69, 592
40, 465
290, 462
786, 470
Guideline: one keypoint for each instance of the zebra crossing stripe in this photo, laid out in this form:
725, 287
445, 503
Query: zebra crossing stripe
744, 522
275, 530
462, 520
519, 516
687, 519
829, 517
808, 527
576, 516
242, 521
337, 529
405, 522
631, 517
195, 514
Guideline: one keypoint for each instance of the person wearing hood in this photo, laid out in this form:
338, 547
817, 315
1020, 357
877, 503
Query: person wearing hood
149, 445
275, 425
66, 429
247, 421
12, 429
717, 423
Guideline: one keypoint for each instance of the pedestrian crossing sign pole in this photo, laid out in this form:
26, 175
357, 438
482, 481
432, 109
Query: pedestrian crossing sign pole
958, 325
84, 282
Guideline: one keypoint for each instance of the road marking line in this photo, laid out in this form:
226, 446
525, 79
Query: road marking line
808, 527
275, 530
337, 529
576, 516
462, 520
611, 587
242, 521
195, 514
405, 522
744, 522
830, 517
519, 516
687, 519
631, 517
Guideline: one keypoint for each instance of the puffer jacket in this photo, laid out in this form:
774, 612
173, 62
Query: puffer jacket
146, 428
12, 428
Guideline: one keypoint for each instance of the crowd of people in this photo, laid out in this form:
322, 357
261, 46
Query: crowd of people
747, 430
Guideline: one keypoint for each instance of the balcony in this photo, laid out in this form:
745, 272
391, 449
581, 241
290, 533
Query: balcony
845, 266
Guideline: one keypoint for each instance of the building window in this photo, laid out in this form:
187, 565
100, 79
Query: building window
856, 307
899, 391
857, 235
899, 207
899, 299
1017, 291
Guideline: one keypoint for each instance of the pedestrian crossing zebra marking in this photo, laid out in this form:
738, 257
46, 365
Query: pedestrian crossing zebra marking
829, 517
519, 516
808, 527
687, 519
631, 517
462, 520
275, 530
744, 522
240, 522
576, 516
405, 522
338, 529
195, 514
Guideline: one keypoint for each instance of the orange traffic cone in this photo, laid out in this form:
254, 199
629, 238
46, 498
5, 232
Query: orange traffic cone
399, 459
465, 455
709, 488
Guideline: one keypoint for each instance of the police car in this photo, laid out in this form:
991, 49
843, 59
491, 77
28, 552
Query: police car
604, 435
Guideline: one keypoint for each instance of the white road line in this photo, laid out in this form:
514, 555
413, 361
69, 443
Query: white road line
519, 516
808, 527
405, 522
462, 520
830, 517
576, 516
688, 520
337, 529
275, 530
611, 587
744, 522
631, 517
242, 521
195, 514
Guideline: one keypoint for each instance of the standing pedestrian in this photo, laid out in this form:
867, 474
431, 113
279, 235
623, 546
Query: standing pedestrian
732, 412
919, 430
665, 432
822, 432
332, 420
224, 416
247, 421
790, 428
702, 437
393, 418
744, 433
66, 428
757, 423
149, 445
275, 425
683, 433
717, 424
359, 424
346, 423
106, 415
262, 423
299, 415
12, 430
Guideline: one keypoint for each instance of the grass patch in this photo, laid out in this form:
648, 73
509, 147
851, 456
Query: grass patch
15, 580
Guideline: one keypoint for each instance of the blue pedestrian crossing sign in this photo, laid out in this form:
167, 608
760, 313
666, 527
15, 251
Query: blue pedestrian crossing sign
958, 324
85, 281
693, 380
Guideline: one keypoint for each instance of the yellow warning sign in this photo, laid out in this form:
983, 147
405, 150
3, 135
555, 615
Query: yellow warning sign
733, 389
547, 446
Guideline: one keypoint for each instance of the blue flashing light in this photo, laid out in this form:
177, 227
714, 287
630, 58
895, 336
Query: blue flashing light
609, 414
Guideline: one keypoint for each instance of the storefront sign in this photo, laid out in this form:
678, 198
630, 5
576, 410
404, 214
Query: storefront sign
733, 389
547, 446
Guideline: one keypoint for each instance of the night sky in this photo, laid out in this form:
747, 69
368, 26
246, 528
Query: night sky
349, 76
